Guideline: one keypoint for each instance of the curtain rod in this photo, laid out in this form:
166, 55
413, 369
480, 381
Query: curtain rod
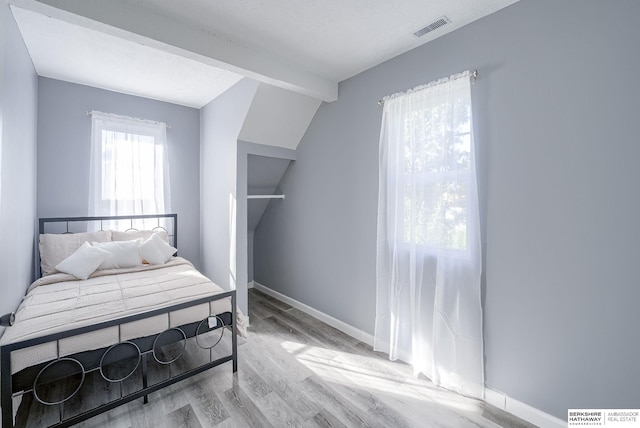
473, 74
119, 116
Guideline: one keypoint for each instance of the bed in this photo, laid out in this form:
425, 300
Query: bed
98, 319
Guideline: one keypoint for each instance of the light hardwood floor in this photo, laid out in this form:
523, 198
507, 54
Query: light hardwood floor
295, 371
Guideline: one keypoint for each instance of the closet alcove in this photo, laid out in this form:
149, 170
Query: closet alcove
264, 174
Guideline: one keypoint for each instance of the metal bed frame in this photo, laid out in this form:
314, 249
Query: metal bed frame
145, 346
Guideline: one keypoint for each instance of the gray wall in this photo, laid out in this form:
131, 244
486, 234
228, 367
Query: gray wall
18, 98
64, 144
556, 118
220, 124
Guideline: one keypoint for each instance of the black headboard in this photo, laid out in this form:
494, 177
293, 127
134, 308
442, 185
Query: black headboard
168, 222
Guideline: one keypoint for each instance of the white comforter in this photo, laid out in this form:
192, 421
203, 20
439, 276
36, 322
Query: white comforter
60, 302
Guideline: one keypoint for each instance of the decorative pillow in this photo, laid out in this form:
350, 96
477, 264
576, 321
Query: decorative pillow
123, 254
55, 247
156, 251
84, 261
138, 234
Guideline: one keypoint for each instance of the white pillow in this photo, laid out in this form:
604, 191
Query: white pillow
138, 234
156, 251
55, 247
124, 254
84, 261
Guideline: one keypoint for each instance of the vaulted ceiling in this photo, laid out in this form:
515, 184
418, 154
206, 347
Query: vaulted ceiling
189, 51
303, 45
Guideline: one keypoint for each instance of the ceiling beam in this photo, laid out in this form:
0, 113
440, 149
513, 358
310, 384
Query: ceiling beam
131, 22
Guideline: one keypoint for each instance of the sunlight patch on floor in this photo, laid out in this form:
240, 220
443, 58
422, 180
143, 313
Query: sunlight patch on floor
372, 374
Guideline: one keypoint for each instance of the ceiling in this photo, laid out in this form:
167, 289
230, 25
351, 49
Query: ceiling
189, 51
64, 51
336, 38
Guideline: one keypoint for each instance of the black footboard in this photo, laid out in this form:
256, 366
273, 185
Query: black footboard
128, 364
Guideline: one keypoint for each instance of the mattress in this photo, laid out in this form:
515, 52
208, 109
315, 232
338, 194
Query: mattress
60, 302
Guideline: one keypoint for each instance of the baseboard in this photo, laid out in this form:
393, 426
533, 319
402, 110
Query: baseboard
522, 410
327, 319
250, 285
495, 398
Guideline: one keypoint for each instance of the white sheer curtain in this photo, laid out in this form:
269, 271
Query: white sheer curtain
429, 259
129, 166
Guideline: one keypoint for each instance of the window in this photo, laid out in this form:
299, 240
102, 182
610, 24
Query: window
130, 173
427, 171
437, 170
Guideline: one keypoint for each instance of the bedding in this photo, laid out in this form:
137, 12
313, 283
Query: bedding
84, 261
59, 302
123, 254
139, 234
55, 247
156, 251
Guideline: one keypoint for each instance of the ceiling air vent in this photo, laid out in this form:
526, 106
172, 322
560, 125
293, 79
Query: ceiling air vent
443, 20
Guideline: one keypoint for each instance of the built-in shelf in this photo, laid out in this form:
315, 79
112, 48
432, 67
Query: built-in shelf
265, 196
